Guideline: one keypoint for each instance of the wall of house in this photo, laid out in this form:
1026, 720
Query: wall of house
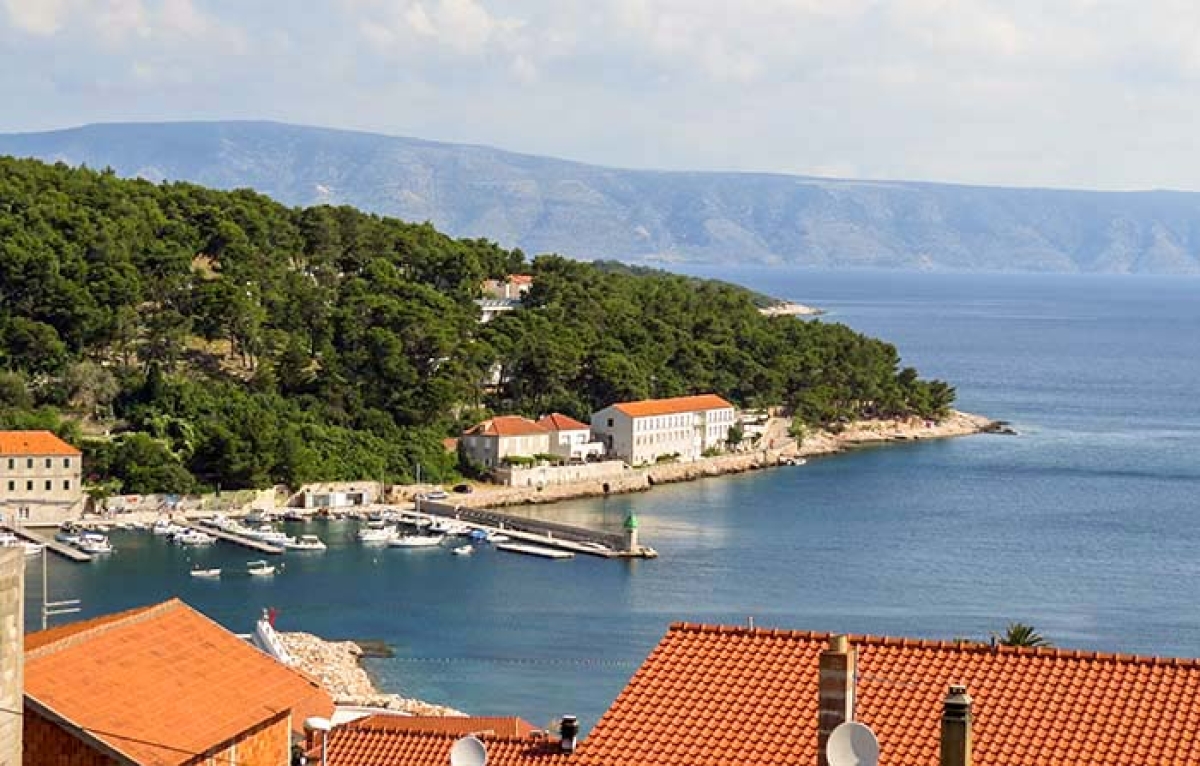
615, 430
269, 743
12, 651
48, 744
40, 488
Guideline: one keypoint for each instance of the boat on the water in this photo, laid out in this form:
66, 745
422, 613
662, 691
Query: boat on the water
463, 550
416, 541
260, 569
193, 537
305, 543
207, 574
94, 543
376, 532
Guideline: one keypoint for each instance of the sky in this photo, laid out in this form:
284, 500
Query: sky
1098, 94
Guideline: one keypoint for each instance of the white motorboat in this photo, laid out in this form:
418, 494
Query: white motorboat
9, 540
194, 537
207, 574
68, 534
166, 527
376, 532
497, 537
268, 534
449, 527
305, 543
416, 541
94, 544
260, 569
463, 550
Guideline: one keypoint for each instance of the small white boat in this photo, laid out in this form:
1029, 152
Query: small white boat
68, 534
416, 541
260, 569
94, 544
194, 537
268, 534
207, 574
463, 550
305, 543
166, 527
449, 527
497, 537
377, 534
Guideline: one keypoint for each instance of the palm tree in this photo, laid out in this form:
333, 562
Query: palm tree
1020, 634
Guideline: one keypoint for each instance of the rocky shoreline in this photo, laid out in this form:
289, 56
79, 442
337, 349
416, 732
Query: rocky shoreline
336, 665
781, 449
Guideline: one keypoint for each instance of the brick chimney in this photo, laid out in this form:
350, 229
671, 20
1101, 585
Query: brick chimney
835, 703
12, 651
956, 727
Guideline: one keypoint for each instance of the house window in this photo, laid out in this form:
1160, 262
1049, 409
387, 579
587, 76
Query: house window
66, 483
29, 462
29, 486
48, 462
47, 485
610, 422
66, 462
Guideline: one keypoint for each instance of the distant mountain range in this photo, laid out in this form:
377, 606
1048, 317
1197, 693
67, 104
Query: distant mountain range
542, 204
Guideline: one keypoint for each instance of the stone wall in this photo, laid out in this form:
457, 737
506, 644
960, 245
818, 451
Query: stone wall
549, 475
12, 650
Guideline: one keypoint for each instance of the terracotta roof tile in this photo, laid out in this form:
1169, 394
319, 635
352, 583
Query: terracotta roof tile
449, 724
556, 421
650, 407
162, 683
721, 695
506, 425
379, 741
35, 443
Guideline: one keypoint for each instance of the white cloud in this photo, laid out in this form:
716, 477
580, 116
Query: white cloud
37, 17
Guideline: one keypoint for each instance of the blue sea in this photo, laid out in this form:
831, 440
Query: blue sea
1084, 525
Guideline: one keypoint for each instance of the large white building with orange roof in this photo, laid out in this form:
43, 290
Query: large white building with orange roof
684, 427
40, 477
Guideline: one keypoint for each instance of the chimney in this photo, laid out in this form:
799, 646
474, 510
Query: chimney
956, 727
12, 650
835, 704
568, 732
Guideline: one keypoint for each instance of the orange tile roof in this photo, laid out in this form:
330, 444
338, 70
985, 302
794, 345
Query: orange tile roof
556, 421
162, 683
521, 279
372, 743
722, 695
649, 407
506, 425
35, 443
511, 726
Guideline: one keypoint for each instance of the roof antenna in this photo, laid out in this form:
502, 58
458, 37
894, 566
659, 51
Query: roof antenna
750, 619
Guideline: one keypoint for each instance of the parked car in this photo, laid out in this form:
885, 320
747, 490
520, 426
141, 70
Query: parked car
465, 489
436, 494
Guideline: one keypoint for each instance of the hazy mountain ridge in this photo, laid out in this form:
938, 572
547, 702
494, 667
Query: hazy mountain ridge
543, 204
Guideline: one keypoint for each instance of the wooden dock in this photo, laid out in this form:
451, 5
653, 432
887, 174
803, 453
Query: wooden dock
245, 542
62, 549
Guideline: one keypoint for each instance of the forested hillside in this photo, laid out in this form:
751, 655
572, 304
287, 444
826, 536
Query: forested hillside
584, 211
204, 338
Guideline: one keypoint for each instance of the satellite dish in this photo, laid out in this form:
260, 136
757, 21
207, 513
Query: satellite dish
852, 744
468, 751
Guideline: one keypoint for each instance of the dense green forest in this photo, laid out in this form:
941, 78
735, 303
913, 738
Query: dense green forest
189, 338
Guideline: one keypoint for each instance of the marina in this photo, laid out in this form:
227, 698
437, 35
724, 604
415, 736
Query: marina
49, 543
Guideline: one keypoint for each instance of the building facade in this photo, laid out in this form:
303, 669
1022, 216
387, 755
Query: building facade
489, 442
40, 477
570, 439
684, 428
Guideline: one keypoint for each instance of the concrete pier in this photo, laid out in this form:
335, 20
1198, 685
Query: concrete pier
609, 545
245, 542
62, 549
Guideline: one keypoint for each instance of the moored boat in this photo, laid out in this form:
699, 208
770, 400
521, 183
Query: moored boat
416, 541
463, 550
305, 543
260, 569
207, 574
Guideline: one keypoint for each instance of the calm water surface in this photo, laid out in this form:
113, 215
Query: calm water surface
1084, 525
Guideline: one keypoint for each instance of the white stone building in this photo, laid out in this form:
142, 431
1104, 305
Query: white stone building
569, 438
684, 427
40, 478
489, 442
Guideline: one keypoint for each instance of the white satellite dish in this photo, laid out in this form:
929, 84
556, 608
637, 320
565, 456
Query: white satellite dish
468, 751
852, 744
